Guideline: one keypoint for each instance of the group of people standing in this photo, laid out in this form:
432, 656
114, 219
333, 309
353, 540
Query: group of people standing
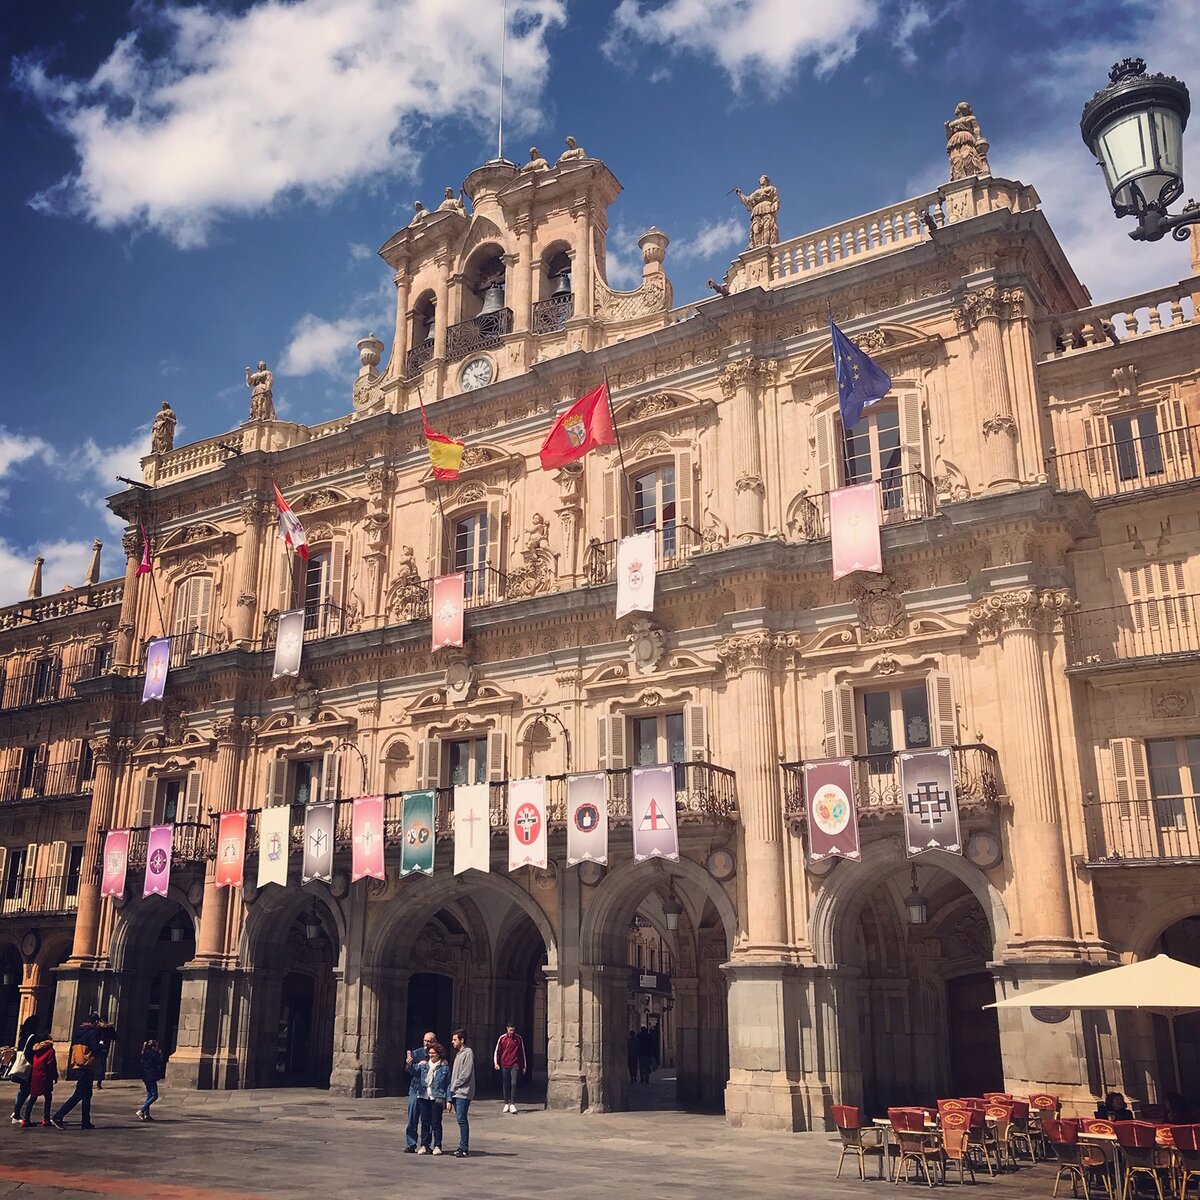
35, 1070
440, 1084
642, 1054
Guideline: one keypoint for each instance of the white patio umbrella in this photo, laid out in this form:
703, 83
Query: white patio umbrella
1160, 985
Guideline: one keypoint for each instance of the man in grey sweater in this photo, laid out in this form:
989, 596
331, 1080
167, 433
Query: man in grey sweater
462, 1089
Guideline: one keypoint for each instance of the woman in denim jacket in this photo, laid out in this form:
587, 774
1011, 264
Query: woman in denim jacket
433, 1078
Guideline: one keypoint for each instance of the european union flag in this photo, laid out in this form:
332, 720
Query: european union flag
860, 380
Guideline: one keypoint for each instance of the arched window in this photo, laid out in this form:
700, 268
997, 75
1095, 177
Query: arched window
484, 318
653, 498
317, 589
556, 303
190, 618
424, 319
471, 552
871, 450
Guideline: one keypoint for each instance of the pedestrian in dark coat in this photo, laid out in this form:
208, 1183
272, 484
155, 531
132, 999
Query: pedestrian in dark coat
41, 1082
153, 1069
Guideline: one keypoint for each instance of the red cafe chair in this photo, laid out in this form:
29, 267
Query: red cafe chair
1140, 1149
857, 1140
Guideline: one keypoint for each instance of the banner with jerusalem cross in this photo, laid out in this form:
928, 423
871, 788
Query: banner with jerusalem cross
527, 823
587, 819
416, 853
652, 808
930, 803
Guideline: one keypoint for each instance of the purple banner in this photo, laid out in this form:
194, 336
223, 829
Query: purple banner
158, 660
652, 807
116, 859
832, 816
158, 860
930, 803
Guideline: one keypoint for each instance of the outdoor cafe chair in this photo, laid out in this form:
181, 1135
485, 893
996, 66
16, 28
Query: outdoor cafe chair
1141, 1152
1019, 1132
1042, 1107
955, 1127
1074, 1160
1187, 1154
999, 1116
980, 1139
858, 1140
919, 1148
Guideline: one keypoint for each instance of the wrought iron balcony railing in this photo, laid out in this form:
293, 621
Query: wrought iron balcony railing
674, 544
418, 358
483, 332
1148, 629
1143, 832
44, 683
185, 647
903, 497
48, 896
44, 781
976, 770
320, 621
193, 842
1127, 467
552, 314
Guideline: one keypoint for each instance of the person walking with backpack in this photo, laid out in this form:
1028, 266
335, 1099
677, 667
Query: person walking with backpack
19, 1072
462, 1089
82, 1061
152, 1071
43, 1077
509, 1060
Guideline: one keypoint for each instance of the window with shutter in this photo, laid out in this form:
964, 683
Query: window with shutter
191, 615
145, 813
1131, 776
695, 719
1158, 599
56, 877
941, 708
497, 755
1136, 445
335, 595
873, 449
685, 496
429, 751
277, 775
828, 465
191, 799
912, 433
31, 871
4, 869
829, 721
611, 501
331, 776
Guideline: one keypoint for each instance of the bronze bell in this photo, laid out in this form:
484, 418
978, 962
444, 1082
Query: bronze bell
562, 284
493, 298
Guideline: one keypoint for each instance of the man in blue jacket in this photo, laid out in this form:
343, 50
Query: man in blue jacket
413, 1059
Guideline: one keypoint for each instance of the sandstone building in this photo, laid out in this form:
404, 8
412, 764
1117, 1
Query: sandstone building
1038, 468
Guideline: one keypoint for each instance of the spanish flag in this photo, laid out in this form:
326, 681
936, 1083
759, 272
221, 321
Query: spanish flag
445, 453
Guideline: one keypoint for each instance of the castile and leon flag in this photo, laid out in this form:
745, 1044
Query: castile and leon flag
585, 425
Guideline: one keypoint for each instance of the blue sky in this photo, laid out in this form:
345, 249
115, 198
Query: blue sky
192, 187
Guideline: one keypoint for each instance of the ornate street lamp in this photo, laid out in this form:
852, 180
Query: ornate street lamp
312, 924
917, 905
1135, 127
672, 909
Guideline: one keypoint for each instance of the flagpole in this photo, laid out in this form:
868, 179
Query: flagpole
437, 487
503, 43
162, 620
612, 413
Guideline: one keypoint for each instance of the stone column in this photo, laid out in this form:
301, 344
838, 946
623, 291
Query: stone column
400, 345
125, 651
740, 382
983, 311
520, 271
255, 515
441, 314
582, 268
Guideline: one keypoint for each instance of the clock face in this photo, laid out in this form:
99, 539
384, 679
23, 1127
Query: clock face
476, 374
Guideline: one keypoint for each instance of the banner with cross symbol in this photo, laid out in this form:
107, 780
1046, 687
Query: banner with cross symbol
527, 823
929, 801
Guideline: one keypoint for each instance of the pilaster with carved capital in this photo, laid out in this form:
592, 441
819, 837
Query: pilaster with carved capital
741, 382
760, 650
1019, 609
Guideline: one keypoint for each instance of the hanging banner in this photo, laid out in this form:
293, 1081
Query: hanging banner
274, 835
854, 529
116, 861
527, 823
930, 802
832, 815
587, 819
636, 564
231, 849
318, 844
416, 854
446, 607
289, 643
158, 860
652, 813
472, 828
158, 660
366, 852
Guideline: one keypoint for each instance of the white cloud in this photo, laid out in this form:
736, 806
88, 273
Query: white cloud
65, 564
360, 252
915, 19
94, 468
622, 258
319, 345
16, 448
241, 110
712, 239
768, 38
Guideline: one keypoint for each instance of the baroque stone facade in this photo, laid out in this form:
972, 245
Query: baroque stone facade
1036, 616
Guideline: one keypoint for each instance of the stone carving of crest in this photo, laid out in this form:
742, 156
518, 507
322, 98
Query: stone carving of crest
880, 611
647, 645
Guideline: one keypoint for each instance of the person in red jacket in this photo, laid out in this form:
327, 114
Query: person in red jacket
510, 1061
41, 1082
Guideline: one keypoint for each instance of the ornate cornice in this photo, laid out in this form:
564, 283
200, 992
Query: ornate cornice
1019, 609
1002, 303
229, 731
744, 651
747, 372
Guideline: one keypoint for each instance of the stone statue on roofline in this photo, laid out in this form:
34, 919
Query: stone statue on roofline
966, 146
419, 213
763, 207
260, 382
452, 203
536, 161
574, 151
162, 432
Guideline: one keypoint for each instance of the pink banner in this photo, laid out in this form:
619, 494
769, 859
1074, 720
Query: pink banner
652, 809
527, 823
231, 849
116, 860
366, 854
829, 800
446, 608
158, 860
854, 528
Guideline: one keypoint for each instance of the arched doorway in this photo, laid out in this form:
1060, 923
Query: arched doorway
1180, 941
10, 994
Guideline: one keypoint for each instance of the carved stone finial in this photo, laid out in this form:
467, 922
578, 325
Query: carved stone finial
35, 581
370, 350
92, 574
1125, 68
966, 146
162, 432
763, 207
261, 383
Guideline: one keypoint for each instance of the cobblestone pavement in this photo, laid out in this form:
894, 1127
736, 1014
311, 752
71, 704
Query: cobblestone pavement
253, 1145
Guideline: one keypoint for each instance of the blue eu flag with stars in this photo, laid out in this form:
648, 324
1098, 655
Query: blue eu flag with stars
860, 380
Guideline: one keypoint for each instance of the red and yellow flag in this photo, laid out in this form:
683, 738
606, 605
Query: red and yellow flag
445, 453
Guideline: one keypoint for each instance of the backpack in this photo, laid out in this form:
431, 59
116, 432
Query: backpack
82, 1059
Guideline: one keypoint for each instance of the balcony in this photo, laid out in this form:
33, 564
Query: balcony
55, 895
674, 544
903, 498
320, 621
185, 647
44, 683
552, 315
877, 782
1142, 832
418, 358
704, 792
42, 781
1137, 465
1146, 630
484, 332
194, 843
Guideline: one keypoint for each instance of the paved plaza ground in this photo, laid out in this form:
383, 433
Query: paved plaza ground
299, 1144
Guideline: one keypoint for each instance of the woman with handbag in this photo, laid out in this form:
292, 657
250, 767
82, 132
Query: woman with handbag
43, 1077
21, 1068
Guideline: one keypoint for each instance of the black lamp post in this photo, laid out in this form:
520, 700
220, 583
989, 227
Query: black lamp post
1135, 127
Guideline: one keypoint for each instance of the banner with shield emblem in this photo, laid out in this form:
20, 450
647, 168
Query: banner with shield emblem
416, 853
930, 801
832, 814
116, 862
231, 849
